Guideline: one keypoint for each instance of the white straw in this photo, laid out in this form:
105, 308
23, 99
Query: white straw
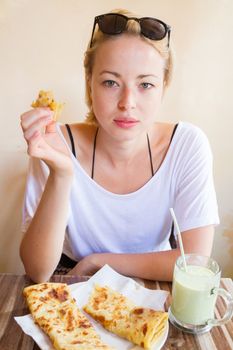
179, 237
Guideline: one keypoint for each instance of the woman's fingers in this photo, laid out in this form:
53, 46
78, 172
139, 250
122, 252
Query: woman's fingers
51, 127
43, 140
57, 160
32, 116
38, 125
35, 120
34, 143
39, 147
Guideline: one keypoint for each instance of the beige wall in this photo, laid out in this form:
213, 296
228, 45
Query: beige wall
42, 44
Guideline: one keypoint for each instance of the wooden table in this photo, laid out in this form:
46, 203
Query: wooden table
13, 304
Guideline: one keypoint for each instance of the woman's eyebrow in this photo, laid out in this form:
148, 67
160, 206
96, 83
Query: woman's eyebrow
142, 76
109, 72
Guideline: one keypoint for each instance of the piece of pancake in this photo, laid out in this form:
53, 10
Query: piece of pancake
121, 316
57, 314
46, 99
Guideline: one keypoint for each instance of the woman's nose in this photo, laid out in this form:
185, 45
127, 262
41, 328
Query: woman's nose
127, 100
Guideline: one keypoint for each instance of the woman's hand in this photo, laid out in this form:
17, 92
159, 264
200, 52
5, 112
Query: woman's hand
87, 266
44, 142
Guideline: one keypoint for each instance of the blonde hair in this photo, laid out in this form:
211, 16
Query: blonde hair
133, 28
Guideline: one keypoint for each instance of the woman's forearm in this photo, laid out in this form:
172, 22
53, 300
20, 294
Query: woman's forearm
42, 244
153, 266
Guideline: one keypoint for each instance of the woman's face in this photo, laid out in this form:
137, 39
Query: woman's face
126, 85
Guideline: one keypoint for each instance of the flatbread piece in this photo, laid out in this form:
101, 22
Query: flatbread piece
46, 99
121, 316
57, 314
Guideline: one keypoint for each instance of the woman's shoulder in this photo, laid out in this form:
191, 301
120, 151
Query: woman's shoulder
82, 134
178, 132
191, 141
182, 126
78, 129
185, 138
191, 129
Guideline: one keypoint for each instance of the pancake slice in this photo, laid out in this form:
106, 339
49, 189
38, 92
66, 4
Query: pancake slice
46, 99
57, 314
119, 315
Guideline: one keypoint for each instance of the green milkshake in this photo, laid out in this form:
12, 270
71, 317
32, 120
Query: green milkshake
192, 298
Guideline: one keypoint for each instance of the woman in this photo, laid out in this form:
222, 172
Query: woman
99, 192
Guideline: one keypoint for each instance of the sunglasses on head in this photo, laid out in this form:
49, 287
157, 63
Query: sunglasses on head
115, 23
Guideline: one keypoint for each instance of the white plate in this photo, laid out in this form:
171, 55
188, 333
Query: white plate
154, 299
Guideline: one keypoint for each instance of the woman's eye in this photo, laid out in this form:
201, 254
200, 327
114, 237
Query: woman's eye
146, 85
110, 83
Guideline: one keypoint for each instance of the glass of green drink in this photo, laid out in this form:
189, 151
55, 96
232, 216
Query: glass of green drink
195, 290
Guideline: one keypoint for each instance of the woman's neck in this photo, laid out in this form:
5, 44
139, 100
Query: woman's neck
120, 152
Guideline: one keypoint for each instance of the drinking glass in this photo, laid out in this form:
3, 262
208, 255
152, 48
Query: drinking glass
194, 294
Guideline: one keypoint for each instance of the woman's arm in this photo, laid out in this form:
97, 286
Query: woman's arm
42, 243
153, 266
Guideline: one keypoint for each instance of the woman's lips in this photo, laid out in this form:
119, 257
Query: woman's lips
126, 123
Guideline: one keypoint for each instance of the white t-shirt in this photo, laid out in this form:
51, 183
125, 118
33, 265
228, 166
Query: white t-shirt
102, 221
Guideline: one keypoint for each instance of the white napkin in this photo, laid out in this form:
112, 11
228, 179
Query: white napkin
141, 296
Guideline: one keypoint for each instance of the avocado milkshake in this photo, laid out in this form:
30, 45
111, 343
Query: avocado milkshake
193, 299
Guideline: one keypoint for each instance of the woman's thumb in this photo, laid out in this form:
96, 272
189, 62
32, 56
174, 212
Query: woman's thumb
51, 128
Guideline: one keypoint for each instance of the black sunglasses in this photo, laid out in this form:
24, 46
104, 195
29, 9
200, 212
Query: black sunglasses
115, 23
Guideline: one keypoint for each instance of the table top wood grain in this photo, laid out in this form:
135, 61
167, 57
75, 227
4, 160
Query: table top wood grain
13, 304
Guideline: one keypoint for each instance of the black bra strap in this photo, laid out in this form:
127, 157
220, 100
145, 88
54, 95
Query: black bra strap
173, 132
93, 155
150, 155
71, 139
